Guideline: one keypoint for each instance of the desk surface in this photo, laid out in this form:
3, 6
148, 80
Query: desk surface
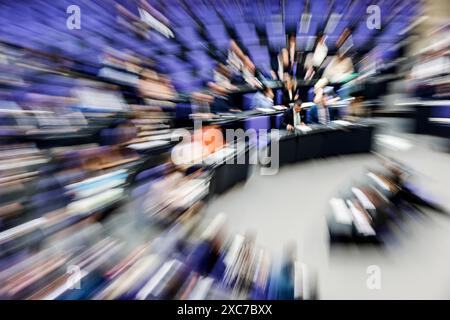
318, 128
239, 116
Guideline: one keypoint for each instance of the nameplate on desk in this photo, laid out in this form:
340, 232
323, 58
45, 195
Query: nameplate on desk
266, 110
226, 115
342, 123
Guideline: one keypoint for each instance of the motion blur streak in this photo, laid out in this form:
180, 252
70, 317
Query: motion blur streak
91, 204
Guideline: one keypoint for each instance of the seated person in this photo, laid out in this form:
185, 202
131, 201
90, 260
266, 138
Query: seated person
221, 101
315, 59
242, 65
220, 104
290, 91
263, 99
320, 113
223, 77
294, 116
201, 103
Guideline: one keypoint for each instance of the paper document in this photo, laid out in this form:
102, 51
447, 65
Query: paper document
341, 211
342, 122
265, 110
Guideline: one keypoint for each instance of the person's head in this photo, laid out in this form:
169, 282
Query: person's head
201, 97
320, 38
285, 56
287, 80
297, 105
292, 41
223, 70
249, 64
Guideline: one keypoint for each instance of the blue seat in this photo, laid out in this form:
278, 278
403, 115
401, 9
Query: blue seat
278, 120
261, 125
247, 101
183, 110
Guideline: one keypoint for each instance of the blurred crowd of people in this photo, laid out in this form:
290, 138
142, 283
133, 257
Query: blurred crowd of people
88, 116
372, 209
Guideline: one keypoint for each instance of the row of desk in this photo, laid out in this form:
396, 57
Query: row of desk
321, 141
325, 141
230, 170
237, 120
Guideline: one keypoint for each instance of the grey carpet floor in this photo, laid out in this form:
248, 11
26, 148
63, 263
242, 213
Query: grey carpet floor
292, 206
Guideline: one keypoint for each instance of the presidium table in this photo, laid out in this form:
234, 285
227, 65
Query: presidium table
316, 141
338, 138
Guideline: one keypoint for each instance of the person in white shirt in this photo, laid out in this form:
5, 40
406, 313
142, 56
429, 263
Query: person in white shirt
339, 68
320, 53
315, 60
336, 72
263, 99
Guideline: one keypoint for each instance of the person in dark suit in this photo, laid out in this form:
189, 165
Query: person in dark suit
293, 116
221, 101
290, 91
298, 67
